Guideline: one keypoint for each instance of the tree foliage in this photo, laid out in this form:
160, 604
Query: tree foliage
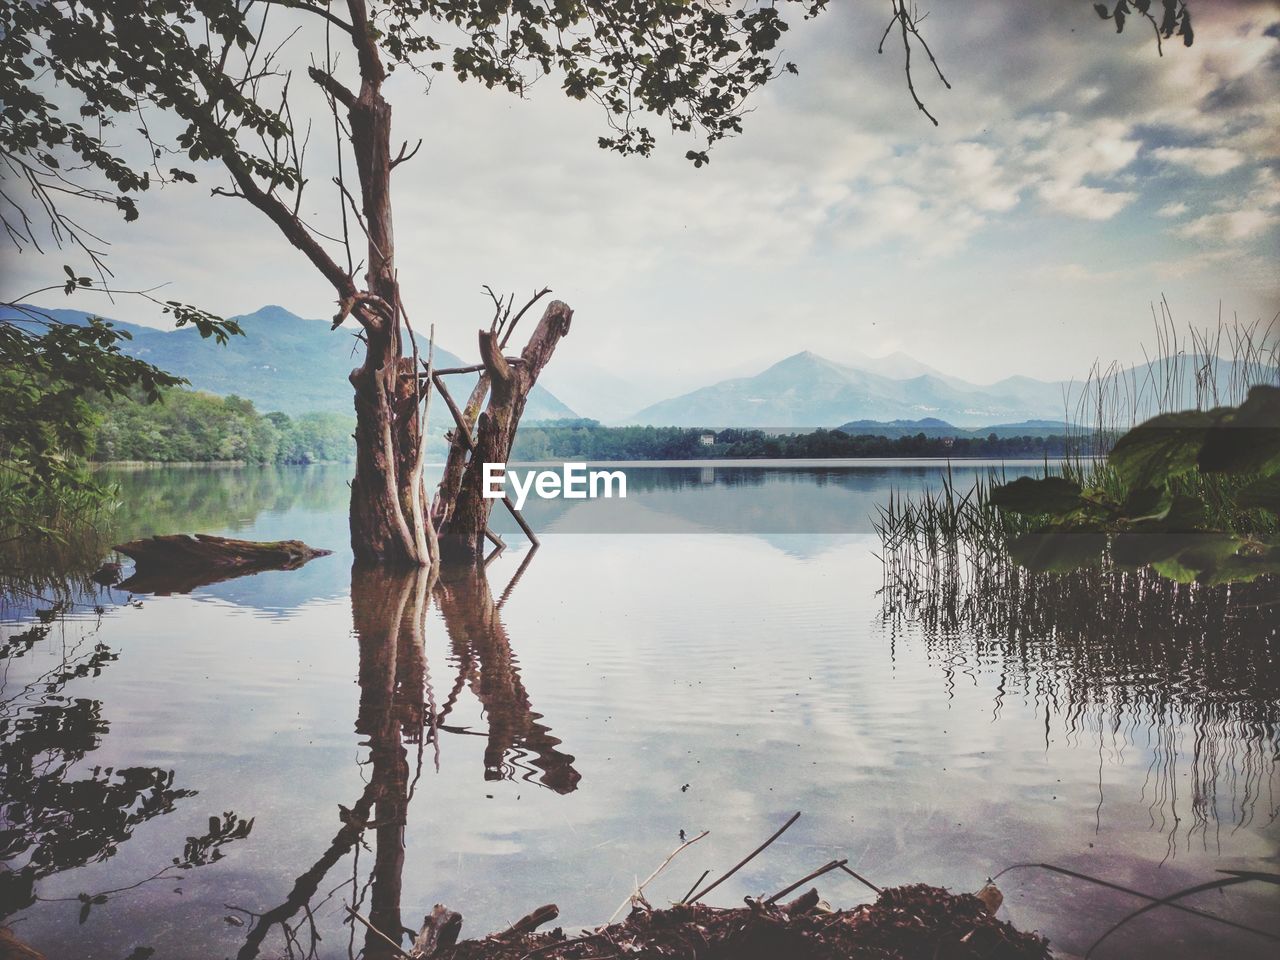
220, 68
53, 375
212, 65
194, 427
1174, 17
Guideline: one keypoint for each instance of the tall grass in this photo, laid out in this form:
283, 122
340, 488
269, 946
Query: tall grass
1188, 368
51, 541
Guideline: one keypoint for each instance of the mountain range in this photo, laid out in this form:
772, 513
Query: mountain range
294, 365
807, 391
283, 362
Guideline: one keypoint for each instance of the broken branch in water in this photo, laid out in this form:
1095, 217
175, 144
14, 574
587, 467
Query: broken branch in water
1154, 901
747, 859
638, 896
912, 921
181, 562
394, 946
833, 865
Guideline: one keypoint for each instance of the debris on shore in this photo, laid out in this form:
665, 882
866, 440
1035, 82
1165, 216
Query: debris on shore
916, 922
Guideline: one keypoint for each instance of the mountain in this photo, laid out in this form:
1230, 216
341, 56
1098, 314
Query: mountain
806, 390
283, 362
933, 428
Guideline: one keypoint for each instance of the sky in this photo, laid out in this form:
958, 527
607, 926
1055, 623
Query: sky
1075, 177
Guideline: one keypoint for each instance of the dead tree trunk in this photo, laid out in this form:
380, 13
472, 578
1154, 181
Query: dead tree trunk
462, 508
392, 519
388, 504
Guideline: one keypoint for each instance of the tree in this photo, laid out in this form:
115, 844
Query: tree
223, 70
51, 375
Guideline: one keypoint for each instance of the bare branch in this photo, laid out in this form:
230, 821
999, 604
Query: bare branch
401, 157
318, 11
332, 87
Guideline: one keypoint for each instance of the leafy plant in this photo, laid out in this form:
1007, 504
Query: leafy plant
53, 377
1156, 508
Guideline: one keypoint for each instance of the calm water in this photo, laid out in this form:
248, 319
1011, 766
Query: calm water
216, 774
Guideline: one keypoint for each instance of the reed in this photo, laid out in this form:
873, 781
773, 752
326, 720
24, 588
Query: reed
51, 541
1187, 368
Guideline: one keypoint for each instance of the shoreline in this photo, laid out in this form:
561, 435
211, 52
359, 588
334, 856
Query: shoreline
708, 462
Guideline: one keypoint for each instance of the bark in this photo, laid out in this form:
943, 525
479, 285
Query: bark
463, 528
439, 931
386, 494
459, 450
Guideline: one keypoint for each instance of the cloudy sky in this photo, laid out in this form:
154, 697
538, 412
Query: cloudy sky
1075, 177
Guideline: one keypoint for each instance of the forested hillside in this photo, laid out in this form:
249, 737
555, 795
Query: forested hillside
201, 427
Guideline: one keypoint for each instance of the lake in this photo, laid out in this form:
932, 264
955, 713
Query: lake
216, 774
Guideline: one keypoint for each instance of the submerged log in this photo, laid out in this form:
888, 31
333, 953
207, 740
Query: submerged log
181, 562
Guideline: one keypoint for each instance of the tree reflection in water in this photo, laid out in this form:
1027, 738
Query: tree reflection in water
397, 712
52, 820
1111, 653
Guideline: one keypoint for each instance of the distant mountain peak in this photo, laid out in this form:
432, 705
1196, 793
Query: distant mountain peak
271, 313
283, 362
807, 390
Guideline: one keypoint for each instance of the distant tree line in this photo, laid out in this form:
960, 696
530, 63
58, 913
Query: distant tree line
588, 440
201, 427
192, 426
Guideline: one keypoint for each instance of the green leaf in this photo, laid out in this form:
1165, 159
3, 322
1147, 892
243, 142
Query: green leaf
1134, 550
1058, 551
1262, 494
1248, 438
1161, 448
1147, 503
1051, 495
1244, 567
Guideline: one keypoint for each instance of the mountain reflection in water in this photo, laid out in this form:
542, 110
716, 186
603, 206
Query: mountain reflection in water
181, 772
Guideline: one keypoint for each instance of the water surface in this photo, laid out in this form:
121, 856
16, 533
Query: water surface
219, 773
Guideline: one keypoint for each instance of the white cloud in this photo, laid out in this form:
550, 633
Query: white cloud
1230, 227
1172, 210
1206, 161
1087, 203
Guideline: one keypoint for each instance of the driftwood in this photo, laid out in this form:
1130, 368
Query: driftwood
180, 562
529, 923
439, 931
